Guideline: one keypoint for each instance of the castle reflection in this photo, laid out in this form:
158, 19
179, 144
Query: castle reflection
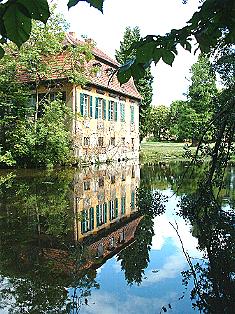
105, 211
58, 227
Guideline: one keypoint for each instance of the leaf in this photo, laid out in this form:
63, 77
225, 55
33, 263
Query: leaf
98, 4
38, 10
2, 52
168, 57
18, 26
124, 72
145, 52
157, 54
138, 71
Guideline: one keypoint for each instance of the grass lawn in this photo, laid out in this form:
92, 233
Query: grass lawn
159, 151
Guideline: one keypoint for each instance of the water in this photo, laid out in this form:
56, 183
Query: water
113, 240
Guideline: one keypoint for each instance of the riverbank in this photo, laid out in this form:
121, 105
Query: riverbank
159, 151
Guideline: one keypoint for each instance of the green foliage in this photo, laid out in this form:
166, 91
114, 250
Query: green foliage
159, 119
52, 143
16, 18
202, 88
38, 257
211, 26
135, 257
21, 143
26, 139
189, 118
144, 80
47, 145
98, 4
224, 65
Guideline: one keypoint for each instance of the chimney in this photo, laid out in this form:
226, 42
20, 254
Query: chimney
73, 34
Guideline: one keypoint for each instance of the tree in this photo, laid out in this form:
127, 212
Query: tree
143, 85
24, 135
159, 122
13, 107
190, 117
211, 25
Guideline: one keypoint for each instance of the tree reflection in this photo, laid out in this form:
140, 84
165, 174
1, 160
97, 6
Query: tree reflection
213, 225
135, 257
209, 207
38, 255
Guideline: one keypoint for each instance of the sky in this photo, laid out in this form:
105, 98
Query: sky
153, 17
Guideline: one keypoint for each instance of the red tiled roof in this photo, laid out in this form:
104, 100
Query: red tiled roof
107, 66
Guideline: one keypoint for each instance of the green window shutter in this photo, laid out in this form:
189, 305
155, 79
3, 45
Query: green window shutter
123, 206
91, 218
109, 113
105, 212
90, 106
132, 114
110, 212
96, 107
76, 102
81, 103
132, 200
122, 106
97, 216
124, 112
115, 111
121, 111
83, 222
104, 109
116, 208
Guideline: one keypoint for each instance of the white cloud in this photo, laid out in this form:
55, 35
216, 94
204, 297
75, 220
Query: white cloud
153, 17
163, 230
111, 303
171, 269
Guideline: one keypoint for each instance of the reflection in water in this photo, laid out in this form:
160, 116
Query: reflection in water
58, 228
62, 232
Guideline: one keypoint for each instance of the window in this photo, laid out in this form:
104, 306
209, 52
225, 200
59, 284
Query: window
123, 177
112, 114
87, 222
101, 181
100, 108
43, 97
86, 141
123, 205
132, 114
112, 141
132, 172
133, 144
86, 105
112, 179
113, 209
100, 141
123, 140
100, 250
112, 243
122, 236
101, 214
122, 112
87, 185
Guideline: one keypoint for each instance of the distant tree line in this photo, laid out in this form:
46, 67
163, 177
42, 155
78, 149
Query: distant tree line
187, 120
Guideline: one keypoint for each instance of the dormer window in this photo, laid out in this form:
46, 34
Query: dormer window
98, 69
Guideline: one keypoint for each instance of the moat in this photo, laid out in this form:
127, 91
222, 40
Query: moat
118, 238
